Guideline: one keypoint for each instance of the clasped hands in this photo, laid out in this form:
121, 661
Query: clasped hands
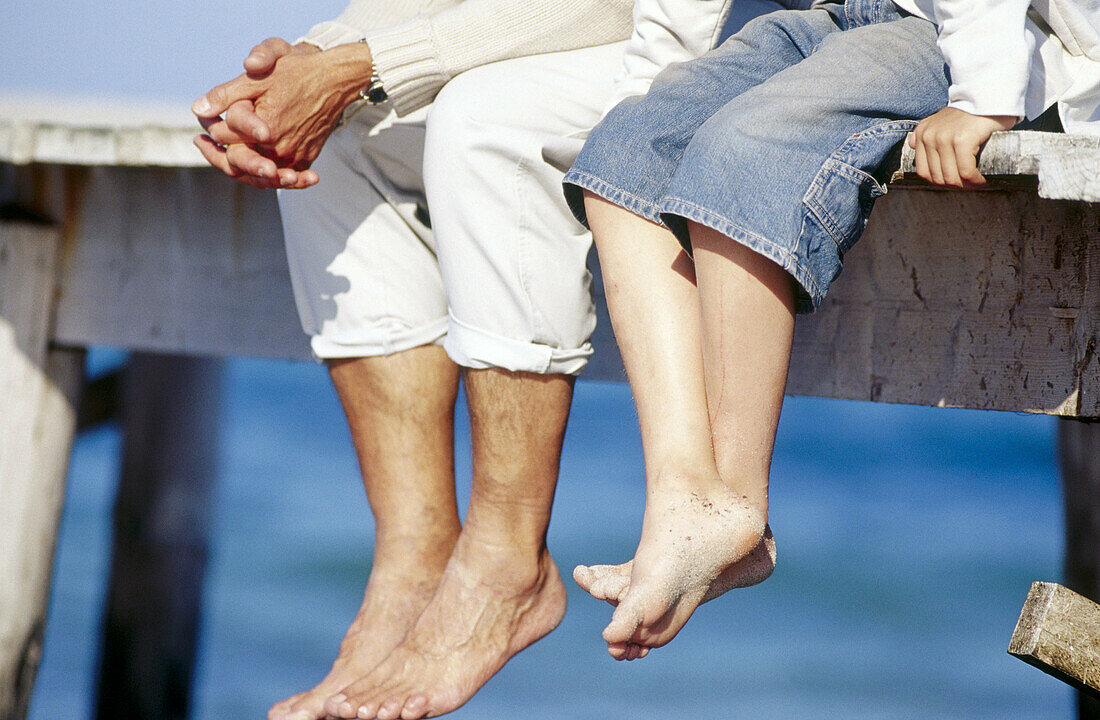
266, 127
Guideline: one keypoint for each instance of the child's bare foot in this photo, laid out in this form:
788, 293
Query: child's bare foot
488, 607
693, 535
609, 582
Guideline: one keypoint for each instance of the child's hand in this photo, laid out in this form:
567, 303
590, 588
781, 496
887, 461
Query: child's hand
948, 142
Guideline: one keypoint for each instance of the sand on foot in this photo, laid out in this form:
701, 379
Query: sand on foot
694, 547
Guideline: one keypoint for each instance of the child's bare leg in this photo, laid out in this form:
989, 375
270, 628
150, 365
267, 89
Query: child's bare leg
695, 528
748, 323
400, 409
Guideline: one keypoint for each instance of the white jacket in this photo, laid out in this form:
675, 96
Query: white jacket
1007, 57
1019, 57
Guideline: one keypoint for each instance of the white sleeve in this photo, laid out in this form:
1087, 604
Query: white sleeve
988, 53
666, 32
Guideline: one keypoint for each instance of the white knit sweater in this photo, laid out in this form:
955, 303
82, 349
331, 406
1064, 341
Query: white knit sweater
418, 45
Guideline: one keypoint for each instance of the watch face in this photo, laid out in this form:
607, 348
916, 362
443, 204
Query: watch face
377, 94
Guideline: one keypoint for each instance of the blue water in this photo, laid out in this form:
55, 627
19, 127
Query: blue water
907, 537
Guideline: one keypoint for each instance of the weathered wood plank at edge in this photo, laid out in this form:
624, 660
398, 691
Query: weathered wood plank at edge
980, 300
1059, 633
39, 391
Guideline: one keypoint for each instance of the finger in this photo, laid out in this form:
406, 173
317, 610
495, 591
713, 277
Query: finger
242, 119
250, 162
218, 99
289, 177
911, 138
935, 171
297, 180
967, 160
921, 163
949, 166
216, 155
308, 178
262, 58
217, 130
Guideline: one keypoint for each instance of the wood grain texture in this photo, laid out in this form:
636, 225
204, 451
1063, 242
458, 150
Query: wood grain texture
39, 388
177, 261
1067, 166
981, 300
1059, 633
96, 131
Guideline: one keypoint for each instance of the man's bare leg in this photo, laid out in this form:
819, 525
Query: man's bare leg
400, 409
501, 590
700, 534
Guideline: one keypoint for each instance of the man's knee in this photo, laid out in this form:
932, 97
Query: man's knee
475, 114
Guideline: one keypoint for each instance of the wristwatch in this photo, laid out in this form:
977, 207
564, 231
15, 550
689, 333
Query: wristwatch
374, 92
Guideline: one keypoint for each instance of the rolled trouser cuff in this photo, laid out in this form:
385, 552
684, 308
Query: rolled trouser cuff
380, 341
478, 349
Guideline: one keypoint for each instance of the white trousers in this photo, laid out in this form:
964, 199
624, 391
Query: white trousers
448, 226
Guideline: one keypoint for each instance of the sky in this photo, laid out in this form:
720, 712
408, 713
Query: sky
127, 49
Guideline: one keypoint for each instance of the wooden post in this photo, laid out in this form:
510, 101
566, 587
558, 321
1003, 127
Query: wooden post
170, 415
39, 392
1080, 458
1059, 633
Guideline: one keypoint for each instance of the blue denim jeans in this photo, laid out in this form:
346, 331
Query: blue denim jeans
773, 138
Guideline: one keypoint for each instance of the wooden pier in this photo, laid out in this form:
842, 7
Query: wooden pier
114, 232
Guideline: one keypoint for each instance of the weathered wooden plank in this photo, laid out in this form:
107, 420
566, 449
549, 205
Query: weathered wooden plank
92, 131
955, 299
1067, 166
1079, 453
39, 388
982, 300
175, 261
171, 424
1059, 633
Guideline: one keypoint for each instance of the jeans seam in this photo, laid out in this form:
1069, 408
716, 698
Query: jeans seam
837, 163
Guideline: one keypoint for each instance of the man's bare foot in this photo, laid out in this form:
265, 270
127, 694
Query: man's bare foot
609, 582
391, 604
485, 611
696, 544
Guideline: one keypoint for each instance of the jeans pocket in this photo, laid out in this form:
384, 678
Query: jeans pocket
844, 190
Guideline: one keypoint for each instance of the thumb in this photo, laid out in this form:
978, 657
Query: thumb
261, 60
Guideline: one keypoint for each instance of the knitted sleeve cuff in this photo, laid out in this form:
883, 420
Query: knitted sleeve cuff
408, 64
